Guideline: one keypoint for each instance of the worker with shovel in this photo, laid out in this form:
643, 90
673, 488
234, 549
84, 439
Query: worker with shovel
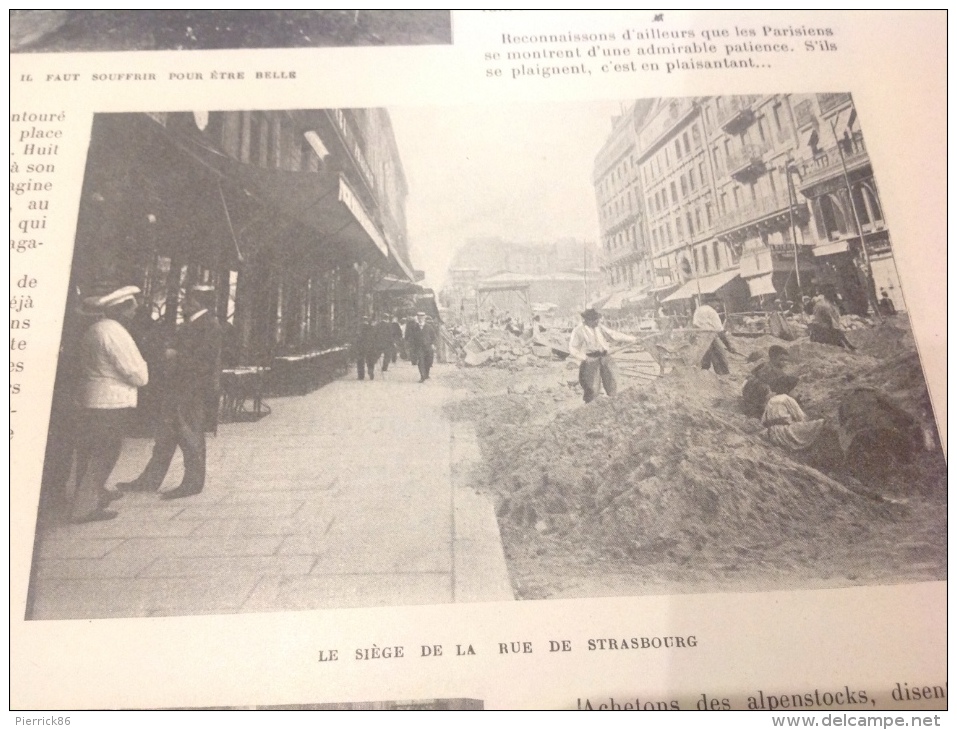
589, 344
707, 318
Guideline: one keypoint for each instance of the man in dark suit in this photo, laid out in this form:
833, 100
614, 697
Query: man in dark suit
189, 399
367, 349
396, 338
422, 343
411, 336
386, 342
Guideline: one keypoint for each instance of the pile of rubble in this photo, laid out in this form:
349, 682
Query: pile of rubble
503, 349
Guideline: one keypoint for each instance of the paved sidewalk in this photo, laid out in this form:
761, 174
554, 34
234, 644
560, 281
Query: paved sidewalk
345, 497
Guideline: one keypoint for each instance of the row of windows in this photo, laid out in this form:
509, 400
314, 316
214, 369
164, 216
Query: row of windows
624, 274
671, 154
705, 259
688, 183
621, 206
627, 236
693, 223
609, 185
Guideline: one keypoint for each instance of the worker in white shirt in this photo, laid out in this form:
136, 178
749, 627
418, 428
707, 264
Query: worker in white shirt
112, 371
707, 318
589, 343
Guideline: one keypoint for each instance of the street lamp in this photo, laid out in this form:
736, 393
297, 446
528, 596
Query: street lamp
788, 169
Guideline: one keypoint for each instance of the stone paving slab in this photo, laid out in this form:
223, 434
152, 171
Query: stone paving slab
75, 546
306, 526
255, 565
193, 546
141, 597
352, 591
340, 498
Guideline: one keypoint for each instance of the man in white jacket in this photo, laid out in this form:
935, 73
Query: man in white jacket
112, 371
589, 343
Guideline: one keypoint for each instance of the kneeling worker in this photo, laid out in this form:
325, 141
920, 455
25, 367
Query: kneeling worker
589, 343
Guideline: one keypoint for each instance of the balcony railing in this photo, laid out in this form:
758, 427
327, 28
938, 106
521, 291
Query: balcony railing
831, 101
737, 114
748, 161
827, 163
754, 211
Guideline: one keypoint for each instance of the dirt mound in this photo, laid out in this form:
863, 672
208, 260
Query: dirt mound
890, 337
655, 475
671, 481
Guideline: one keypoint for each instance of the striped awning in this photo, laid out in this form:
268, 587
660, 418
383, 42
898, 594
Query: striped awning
703, 285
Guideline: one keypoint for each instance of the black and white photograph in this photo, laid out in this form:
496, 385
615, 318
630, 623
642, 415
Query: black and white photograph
77, 31
345, 358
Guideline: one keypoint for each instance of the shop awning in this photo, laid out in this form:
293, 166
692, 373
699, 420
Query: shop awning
703, 285
398, 261
761, 285
325, 203
828, 249
615, 301
395, 285
634, 296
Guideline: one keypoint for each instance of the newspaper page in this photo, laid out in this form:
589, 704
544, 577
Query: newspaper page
403, 359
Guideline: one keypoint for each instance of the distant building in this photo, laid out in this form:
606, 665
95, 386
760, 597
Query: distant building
515, 277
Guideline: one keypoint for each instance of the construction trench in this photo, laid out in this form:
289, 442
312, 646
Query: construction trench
668, 487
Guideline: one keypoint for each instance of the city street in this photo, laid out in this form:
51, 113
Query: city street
345, 497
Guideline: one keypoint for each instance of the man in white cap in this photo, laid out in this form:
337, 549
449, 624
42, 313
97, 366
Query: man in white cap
111, 371
189, 400
589, 344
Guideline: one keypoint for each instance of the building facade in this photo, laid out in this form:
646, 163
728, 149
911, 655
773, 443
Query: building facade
849, 235
625, 253
740, 202
293, 216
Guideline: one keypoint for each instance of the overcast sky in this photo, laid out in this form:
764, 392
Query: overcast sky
521, 172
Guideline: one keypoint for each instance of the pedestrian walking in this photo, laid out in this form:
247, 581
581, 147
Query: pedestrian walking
412, 328
367, 350
396, 338
385, 340
422, 344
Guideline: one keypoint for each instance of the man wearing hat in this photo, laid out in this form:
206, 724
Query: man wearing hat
367, 349
189, 400
386, 341
422, 337
411, 334
589, 343
111, 371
